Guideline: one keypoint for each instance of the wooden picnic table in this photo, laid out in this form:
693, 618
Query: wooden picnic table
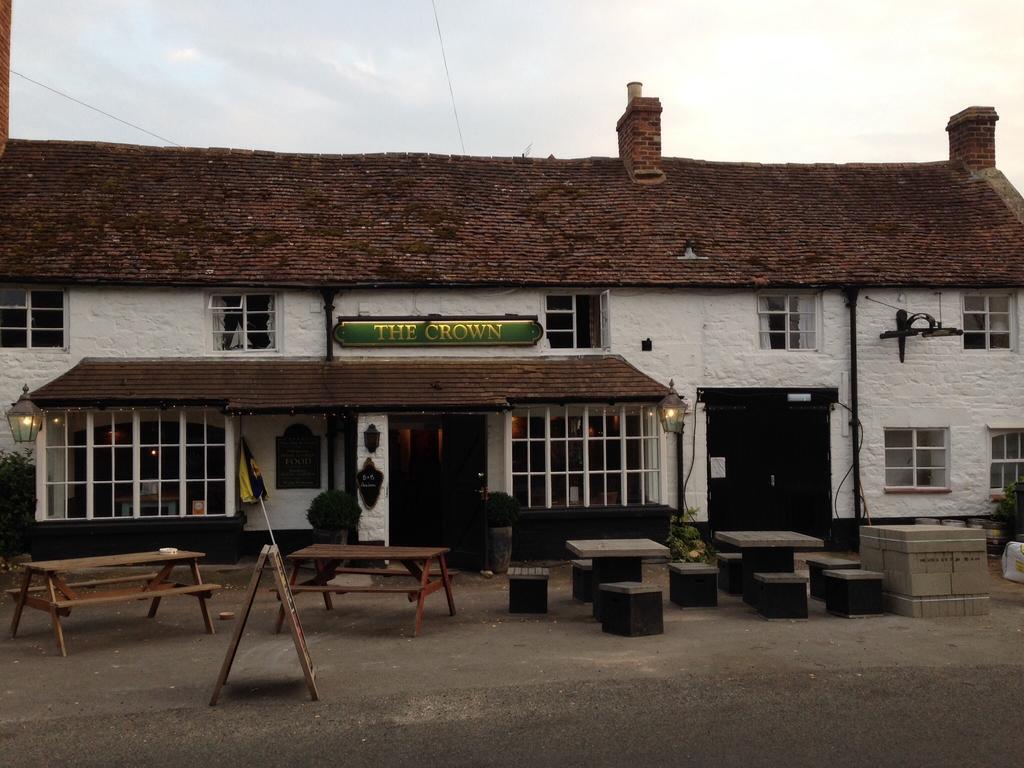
328, 561
59, 596
766, 552
615, 560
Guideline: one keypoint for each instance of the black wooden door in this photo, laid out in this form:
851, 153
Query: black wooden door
463, 468
777, 467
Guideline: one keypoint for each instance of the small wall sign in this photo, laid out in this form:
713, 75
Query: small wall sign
298, 458
369, 481
198, 507
510, 330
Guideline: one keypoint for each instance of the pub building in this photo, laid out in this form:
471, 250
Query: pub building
846, 336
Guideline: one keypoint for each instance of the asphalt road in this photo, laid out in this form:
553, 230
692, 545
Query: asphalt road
908, 717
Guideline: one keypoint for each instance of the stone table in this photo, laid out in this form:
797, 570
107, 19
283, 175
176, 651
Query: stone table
766, 552
615, 560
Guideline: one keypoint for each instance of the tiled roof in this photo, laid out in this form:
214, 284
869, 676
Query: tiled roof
452, 383
73, 211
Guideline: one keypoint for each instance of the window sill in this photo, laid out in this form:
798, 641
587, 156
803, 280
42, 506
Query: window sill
917, 490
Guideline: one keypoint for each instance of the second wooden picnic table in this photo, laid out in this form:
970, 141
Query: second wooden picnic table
328, 561
615, 560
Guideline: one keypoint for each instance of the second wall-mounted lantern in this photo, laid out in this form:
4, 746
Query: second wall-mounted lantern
371, 438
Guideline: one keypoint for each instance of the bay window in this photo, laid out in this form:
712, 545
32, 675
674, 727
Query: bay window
592, 456
124, 464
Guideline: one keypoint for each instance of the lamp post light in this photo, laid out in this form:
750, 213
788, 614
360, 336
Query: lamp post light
672, 412
24, 418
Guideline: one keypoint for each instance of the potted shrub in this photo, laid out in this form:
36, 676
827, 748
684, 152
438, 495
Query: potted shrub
502, 513
333, 514
684, 540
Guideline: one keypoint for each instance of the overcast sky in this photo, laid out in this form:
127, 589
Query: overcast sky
780, 81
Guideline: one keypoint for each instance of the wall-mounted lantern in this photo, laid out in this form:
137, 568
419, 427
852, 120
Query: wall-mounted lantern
371, 438
672, 410
25, 419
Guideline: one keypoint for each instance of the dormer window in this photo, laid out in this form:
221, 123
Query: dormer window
244, 322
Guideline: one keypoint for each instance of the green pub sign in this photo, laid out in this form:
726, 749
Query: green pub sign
438, 331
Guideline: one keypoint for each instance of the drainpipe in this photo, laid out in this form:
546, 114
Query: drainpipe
328, 295
851, 302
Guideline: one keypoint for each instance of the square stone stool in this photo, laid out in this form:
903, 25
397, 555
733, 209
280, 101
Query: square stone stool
631, 608
819, 563
853, 593
693, 585
781, 595
527, 590
730, 572
583, 581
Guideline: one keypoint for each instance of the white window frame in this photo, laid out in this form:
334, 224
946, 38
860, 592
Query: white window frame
657, 438
278, 313
602, 308
65, 327
914, 448
1011, 321
992, 460
815, 299
43, 484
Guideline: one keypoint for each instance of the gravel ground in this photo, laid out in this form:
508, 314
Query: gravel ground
487, 688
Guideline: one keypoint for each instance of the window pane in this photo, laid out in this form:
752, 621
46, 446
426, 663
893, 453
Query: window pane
559, 322
974, 322
633, 484
56, 468
575, 489
12, 297
263, 302
558, 493
611, 424
170, 463
537, 463
54, 500
169, 498
613, 483
124, 503
76, 500
55, 428
560, 302
48, 299
999, 341
537, 494
1012, 446
226, 300
557, 423
575, 462
14, 318
931, 437
899, 477
898, 438
595, 448
122, 434
633, 454
518, 427
613, 454
974, 303
536, 426
899, 457
195, 464
214, 428
652, 488
102, 464
47, 318
929, 458
76, 464
996, 476
519, 456
123, 464
931, 478
195, 430
999, 322
194, 492
149, 463
998, 446
215, 495
999, 304
560, 340
149, 428
597, 490
575, 428
771, 303
519, 490
558, 456
974, 341
103, 500
10, 338
596, 424
632, 424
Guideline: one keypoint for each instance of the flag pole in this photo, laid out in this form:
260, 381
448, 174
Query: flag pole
266, 517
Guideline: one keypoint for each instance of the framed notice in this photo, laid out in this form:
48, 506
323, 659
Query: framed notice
199, 507
298, 458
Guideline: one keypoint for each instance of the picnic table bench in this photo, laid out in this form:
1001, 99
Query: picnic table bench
328, 561
57, 596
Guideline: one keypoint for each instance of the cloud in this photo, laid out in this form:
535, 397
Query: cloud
183, 54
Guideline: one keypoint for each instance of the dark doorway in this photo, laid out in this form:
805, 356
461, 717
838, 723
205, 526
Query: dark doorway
769, 459
438, 468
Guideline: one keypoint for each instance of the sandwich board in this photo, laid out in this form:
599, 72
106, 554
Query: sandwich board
270, 555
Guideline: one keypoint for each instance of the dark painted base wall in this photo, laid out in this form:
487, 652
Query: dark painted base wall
542, 533
219, 538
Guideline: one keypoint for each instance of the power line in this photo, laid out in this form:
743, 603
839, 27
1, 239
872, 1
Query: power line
95, 109
451, 92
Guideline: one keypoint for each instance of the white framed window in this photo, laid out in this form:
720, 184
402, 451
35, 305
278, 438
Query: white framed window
123, 464
917, 458
1007, 458
577, 321
988, 321
788, 321
33, 318
567, 456
244, 322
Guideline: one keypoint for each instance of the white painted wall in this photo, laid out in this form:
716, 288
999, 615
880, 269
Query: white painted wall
700, 338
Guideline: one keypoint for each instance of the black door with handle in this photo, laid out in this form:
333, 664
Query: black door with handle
463, 471
769, 460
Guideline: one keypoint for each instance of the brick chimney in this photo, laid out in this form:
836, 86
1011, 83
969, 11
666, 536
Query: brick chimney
5, 70
972, 137
639, 131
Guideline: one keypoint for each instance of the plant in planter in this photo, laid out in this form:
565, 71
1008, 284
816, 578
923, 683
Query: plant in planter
1005, 512
333, 514
502, 514
684, 540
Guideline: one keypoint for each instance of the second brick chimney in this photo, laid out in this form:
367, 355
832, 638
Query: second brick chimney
5, 70
639, 131
972, 137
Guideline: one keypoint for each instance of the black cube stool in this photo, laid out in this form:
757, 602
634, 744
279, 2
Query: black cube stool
819, 563
631, 609
730, 573
853, 593
583, 581
781, 595
693, 585
527, 590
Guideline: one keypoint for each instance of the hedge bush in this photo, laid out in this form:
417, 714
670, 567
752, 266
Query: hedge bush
502, 510
17, 500
334, 511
